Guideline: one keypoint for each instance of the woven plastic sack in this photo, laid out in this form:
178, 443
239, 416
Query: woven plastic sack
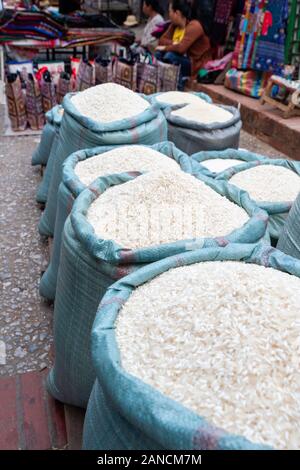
192, 137
289, 240
43, 189
71, 187
41, 154
124, 413
34, 107
86, 75
88, 265
16, 103
234, 154
278, 211
125, 73
79, 132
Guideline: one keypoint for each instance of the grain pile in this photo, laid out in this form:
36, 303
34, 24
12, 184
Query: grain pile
121, 159
162, 207
268, 183
204, 114
179, 97
223, 339
109, 102
220, 164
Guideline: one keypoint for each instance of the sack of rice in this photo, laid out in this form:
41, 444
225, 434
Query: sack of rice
81, 168
103, 115
199, 351
53, 119
179, 98
203, 126
213, 162
273, 184
43, 189
118, 224
289, 240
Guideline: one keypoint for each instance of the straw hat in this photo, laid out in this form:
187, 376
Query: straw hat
131, 21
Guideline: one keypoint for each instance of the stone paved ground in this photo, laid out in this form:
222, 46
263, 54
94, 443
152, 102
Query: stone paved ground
25, 320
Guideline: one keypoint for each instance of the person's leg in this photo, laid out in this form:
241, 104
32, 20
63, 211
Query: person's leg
185, 66
160, 55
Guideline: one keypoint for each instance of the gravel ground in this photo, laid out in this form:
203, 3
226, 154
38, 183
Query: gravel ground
26, 321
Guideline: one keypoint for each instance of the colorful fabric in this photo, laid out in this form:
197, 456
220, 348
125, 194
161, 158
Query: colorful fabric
249, 83
270, 51
250, 29
260, 45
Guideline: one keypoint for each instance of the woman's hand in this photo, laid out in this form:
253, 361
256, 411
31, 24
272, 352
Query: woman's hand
161, 48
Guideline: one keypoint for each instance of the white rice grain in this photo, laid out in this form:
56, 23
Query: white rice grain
109, 102
162, 207
220, 164
268, 183
223, 339
204, 114
121, 159
179, 97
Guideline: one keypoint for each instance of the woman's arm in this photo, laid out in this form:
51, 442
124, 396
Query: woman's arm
167, 38
193, 32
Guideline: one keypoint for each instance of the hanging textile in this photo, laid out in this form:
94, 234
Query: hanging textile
250, 30
270, 49
260, 45
223, 10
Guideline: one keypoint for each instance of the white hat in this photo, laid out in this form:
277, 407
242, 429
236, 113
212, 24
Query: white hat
131, 21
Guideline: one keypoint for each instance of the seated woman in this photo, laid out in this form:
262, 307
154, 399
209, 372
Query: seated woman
154, 12
185, 42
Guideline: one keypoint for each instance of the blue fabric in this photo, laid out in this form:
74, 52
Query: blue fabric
270, 51
126, 413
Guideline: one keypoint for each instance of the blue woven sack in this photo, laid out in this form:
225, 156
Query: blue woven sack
71, 187
79, 132
89, 265
192, 137
41, 154
278, 211
289, 240
124, 413
43, 189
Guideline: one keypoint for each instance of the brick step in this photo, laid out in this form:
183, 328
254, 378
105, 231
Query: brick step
30, 419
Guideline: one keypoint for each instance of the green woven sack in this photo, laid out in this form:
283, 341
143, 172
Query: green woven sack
71, 187
289, 240
53, 119
79, 132
89, 265
278, 211
124, 413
